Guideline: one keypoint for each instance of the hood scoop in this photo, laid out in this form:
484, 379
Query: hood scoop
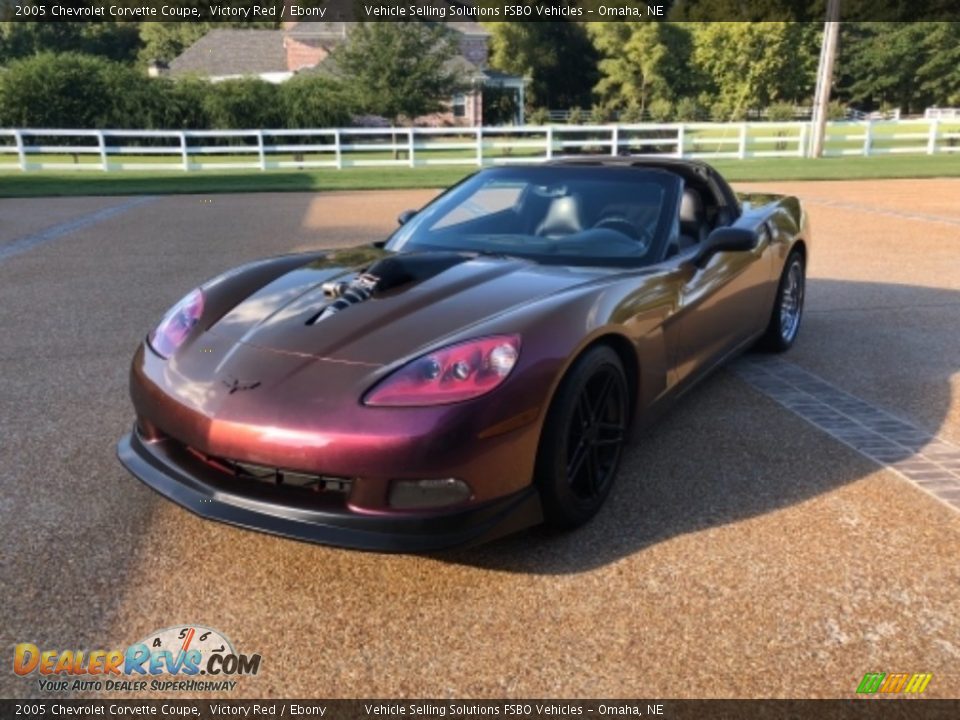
384, 275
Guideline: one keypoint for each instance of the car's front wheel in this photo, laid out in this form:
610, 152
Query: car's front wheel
787, 311
583, 439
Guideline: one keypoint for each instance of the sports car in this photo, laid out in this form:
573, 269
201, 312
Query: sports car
478, 372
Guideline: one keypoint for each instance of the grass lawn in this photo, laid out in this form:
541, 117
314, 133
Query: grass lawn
92, 182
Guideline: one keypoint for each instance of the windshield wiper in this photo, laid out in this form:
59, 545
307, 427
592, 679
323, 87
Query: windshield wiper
500, 255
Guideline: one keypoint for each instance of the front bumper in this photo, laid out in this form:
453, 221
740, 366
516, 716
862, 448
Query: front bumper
176, 474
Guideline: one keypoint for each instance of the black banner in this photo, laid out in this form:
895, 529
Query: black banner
470, 10
854, 709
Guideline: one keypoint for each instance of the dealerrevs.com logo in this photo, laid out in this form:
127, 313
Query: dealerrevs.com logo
184, 658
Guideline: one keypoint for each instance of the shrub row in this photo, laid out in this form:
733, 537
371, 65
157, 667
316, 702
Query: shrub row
72, 90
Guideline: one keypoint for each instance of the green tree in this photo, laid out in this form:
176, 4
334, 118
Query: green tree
500, 105
939, 75
757, 11
557, 57
905, 65
751, 65
165, 40
641, 62
400, 69
118, 41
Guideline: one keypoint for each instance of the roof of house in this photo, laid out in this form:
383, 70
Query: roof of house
233, 52
340, 29
230, 52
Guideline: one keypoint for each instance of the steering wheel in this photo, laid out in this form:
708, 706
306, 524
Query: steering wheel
622, 225
618, 223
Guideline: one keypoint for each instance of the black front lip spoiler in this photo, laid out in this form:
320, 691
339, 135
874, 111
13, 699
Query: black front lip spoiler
180, 478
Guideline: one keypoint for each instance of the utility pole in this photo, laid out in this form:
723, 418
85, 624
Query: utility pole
828, 54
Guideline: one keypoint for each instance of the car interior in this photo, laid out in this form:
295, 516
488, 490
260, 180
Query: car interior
699, 214
571, 217
573, 213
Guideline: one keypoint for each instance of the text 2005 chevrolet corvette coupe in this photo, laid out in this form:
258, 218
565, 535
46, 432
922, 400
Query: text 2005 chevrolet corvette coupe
476, 373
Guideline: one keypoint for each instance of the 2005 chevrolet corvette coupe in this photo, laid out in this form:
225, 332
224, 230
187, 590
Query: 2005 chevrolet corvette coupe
476, 373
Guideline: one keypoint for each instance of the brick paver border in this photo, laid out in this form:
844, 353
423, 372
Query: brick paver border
928, 461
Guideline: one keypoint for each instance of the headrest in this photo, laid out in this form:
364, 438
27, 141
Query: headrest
562, 218
691, 206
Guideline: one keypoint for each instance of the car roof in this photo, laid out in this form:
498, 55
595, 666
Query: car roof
692, 171
665, 162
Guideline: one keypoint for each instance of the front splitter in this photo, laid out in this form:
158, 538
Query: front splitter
180, 477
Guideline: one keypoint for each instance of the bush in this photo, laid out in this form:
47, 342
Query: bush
721, 112
247, 103
183, 104
72, 90
836, 110
540, 116
575, 116
633, 114
780, 112
888, 109
688, 110
314, 101
599, 114
661, 110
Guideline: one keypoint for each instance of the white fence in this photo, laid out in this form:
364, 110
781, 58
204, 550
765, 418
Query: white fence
118, 150
942, 113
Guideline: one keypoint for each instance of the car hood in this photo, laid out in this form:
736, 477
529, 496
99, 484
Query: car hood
429, 296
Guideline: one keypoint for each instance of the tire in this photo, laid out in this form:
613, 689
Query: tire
787, 313
583, 439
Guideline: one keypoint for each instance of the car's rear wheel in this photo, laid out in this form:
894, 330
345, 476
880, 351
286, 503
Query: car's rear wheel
583, 439
787, 306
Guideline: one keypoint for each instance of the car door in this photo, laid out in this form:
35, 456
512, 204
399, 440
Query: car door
722, 303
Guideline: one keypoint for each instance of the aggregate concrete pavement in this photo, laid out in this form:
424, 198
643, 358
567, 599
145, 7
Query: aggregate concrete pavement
743, 552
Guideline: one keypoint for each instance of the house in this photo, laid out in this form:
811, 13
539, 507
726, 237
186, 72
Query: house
277, 55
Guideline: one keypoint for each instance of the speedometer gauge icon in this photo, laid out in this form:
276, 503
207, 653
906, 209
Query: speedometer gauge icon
183, 638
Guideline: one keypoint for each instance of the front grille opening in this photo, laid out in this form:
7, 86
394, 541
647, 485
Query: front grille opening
276, 476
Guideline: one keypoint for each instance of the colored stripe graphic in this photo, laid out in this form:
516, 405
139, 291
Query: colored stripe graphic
918, 682
870, 683
894, 683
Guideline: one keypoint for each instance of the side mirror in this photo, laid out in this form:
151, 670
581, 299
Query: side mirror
726, 239
404, 217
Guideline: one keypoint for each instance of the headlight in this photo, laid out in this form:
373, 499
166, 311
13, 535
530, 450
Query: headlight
451, 374
177, 324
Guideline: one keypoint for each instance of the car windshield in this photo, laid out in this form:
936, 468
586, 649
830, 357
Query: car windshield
552, 214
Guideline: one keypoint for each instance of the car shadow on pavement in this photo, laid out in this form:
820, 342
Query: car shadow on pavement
727, 452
